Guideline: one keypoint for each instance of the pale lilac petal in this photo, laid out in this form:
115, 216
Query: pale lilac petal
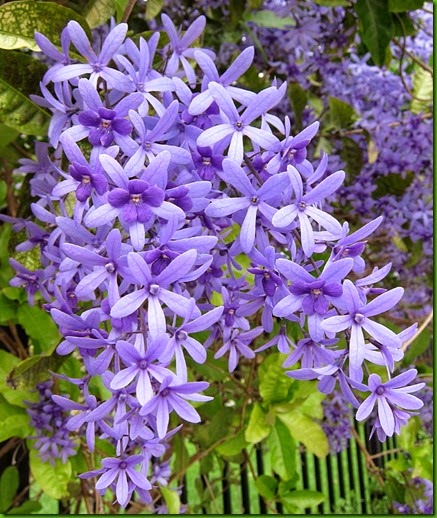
91, 282
225, 102
293, 271
325, 220
175, 302
263, 138
381, 333
155, 317
402, 379
356, 353
112, 43
285, 216
366, 408
226, 206
248, 227
139, 269
307, 234
215, 134
180, 266
129, 304
106, 479
325, 188
287, 306
236, 147
122, 489
386, 417
274, 185
337, 324
184, 409
241, 63
205, 321
101, 216
383, 302
234, 175
124, 377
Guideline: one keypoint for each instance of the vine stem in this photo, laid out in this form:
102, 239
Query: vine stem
419, 331
128, 10
413, 57
369, 459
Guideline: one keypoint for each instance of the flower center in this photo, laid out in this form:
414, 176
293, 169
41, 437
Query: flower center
380, 390
254, 200
106, 124
302, 206
165, 392
143, 364
154, 289
182, 335
359, 318
239, 125
135, 198
123, 465
206, 161
86, 179
110, 267
316, 291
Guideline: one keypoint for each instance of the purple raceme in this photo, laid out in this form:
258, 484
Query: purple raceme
144, 236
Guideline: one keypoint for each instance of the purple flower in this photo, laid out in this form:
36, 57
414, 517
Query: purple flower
358, 319
238, 125
120, 470
237, 344
252, 201
391, 395
171, 396
97, 65
303, 208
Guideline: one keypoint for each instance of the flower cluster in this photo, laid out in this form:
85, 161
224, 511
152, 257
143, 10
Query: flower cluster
159, 182
53, 436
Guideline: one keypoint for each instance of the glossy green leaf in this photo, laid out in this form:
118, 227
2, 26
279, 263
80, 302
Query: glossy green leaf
98, 12
375, 27
232, 446
258, 427
15, 426
341, 114
266, 486
9, 482
393, 184
274, 386
269, 19
20, 75
352, 154
282, 448
20, 20
303, 499
299, 100
423, 91
403, 25
306, 431
33, 370
153, 8
172, 499
52, 478
29, 507
417, 347
8, 309
7, 135
399, 6
333, 3
120, 6
40, 327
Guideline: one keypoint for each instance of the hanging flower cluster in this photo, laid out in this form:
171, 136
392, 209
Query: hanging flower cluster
164, 176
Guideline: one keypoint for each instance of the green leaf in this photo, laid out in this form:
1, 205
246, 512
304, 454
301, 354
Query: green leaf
9, 482
333, 3
400, 6
375, 27
282, 449
298, 99
232, 446
417, 347
153, 8
52, 478
258, 427
20, 20
97, 12
267, 18
33, 370
7, 135
8, 309
20, 75
423, 90
120, 6
40, 327
266, 486
28, 507
403, 25
393, 184
341, 114
15, 426
306, 431
352, 154
274, 386
303, 499
172, 500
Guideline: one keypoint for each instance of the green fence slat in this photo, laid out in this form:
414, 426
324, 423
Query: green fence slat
335, 480
326, 505
299, 483
354, 456
364, 470
345, 477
